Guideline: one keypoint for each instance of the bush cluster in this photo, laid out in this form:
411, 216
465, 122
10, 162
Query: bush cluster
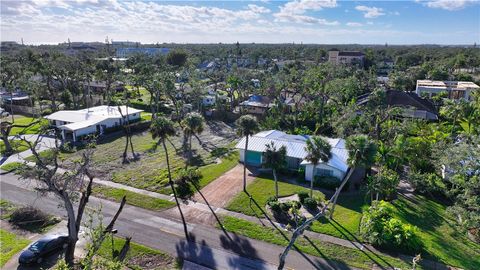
328, 182
31, 219
380, 228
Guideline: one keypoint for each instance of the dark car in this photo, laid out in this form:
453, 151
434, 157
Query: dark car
41, 249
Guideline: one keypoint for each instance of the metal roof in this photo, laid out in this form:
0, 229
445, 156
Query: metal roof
295, 145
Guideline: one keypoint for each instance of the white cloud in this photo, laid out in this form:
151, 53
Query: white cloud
294, 11
370, 12
449, 4
354, 24
258, 9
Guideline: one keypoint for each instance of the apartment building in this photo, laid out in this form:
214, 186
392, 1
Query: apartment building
346, 57
454, 89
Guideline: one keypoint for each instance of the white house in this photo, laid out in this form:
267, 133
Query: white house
296, 153
454, 89
75, 124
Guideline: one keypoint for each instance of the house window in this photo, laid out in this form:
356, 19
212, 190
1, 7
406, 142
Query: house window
324, 172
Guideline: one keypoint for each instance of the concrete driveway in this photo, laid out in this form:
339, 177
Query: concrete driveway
219, 192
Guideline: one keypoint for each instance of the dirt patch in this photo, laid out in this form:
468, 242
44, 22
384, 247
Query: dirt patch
150, 261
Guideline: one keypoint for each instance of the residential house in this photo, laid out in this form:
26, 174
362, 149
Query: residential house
296, 153
256, 104
454, 89
127, 52
96, 120
412, 105
346, 57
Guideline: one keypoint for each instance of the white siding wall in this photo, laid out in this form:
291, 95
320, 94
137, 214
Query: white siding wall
242, 155
85, 131
310, 172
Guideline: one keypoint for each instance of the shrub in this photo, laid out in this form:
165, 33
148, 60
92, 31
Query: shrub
31, 219
310, 203
380, 228
275, 206
328, 182
426, 182
319, 198
302, 195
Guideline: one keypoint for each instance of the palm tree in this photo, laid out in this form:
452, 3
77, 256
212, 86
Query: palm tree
161, 128
192, 124
247, 126
317, 149
275, 159
361, 153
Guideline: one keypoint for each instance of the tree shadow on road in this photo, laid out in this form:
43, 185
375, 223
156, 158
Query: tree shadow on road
199, 253
242, 247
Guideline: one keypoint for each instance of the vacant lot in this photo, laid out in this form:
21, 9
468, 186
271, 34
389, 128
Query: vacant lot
150, 170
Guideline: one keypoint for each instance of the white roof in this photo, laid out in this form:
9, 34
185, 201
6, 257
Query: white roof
295, 145
87, 117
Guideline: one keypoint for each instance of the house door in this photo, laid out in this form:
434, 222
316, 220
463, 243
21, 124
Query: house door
254, 158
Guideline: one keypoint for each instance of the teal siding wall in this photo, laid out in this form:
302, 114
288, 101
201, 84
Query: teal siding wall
254, 158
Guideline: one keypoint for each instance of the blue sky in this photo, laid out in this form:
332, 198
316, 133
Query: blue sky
307, 21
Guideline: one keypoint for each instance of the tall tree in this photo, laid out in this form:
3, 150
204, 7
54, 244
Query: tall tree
247, 126
275, 159
162, 128
318, 149
67, 187
361, 153
193, 124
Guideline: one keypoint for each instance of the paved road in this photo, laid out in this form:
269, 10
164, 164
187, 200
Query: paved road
209, 246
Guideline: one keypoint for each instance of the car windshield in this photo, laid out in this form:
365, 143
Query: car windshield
37, 246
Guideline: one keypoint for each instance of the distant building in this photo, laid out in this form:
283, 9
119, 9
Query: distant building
454, 89
346, 57
412, 105
127, 52
256, 104
124, 43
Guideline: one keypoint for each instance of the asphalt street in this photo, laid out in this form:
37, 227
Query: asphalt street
208, 246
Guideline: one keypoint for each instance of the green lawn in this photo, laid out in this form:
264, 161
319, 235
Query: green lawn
261, 189
34, 129
140, 257
17, 145
146, 116
335, 253
10, 244
133, 198
213, 171
347, 216
12, 166
442, 240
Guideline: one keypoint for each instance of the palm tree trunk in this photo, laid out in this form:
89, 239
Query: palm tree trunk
350, 172
245, 166
276, 182
311, 181
173, 190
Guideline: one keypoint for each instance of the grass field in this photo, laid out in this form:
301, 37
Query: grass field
17, 145
140, 257
441, 238
347, 216
10, 244
23, 120
335, 253
133, 198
